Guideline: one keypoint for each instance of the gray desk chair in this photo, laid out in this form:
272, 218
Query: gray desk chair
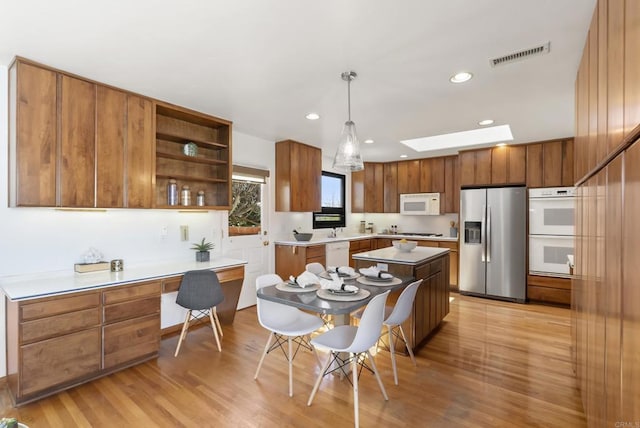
200, 291
286, 325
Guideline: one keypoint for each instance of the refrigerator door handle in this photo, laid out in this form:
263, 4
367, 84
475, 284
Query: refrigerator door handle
483, 232
488, 237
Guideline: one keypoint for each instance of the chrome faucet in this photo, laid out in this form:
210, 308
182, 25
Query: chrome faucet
332, 233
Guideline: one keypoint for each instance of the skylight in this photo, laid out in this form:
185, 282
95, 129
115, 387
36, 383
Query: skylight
474, 137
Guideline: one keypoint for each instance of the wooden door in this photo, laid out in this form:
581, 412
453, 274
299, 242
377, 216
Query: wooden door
432, 175
552, 164
499, 165
631, 67
33, 111
467, 163
516, 164
450, 172
483, 167
77, 144
111, 108
534, 165
568, 178
139, 164
615, 74
306, 174
357, 191
409, 176
390, 188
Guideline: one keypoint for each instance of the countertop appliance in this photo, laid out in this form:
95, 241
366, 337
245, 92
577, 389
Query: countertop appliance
420, 203
551, 230
493, 247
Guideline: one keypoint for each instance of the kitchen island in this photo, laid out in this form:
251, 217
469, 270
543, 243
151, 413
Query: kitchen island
432, 300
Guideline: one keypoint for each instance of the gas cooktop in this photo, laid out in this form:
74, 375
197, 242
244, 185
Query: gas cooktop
420, 234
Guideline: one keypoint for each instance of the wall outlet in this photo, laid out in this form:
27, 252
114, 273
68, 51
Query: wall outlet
164, 232
184, 233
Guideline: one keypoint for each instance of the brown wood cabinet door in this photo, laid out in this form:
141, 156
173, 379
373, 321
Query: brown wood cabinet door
391, 198
33, 110
373, 188
499, 165
631, 67
615, 74
483, 167
139, 163
534, 165
425, 175
467, 164
582, 115
552, 164
409, 176
290, 260
77, 145
110, 147
131, 340
568, 178
449, 170
516, 165
357, 191
593, 94
63, 359
432, 175
298, 177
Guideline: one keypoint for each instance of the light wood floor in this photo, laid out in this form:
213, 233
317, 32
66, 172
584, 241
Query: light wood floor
492, 364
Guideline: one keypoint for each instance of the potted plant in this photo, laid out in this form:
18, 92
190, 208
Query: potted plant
202, 250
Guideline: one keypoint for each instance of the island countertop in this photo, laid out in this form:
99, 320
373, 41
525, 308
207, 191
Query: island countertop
23, 287
417, 256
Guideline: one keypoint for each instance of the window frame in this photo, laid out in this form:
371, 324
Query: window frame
342, 212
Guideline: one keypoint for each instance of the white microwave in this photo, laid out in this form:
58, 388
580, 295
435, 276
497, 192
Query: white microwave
420, 204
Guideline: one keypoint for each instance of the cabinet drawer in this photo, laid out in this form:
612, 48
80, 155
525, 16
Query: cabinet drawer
315, 251
360, 245
41, 329
56, 361
136, 291
60, 305
423, 243
230, 274
450, 245
130, 340
171, 284
133, 309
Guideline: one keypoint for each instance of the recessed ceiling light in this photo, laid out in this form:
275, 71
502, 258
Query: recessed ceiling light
403, 156
461, 77
492, 134
368, 141
486, 122
313, 116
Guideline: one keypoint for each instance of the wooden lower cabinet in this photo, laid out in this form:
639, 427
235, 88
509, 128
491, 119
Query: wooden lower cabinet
293, 259
359, 246
548, 289
432, 299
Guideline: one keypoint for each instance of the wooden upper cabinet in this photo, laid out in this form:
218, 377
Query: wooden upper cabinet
111, 107
483, 166
77, 142
631, 68
508, 165
390, 188
32, 136
298, 177
357, 191
475, 167
432, 175
550, 164
139, 152
409, 176
517, 165
451, 185
467, 164
615, 74
374, 188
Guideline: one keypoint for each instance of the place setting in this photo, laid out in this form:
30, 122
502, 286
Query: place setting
303, 283
344, 272
376, 277
336, 289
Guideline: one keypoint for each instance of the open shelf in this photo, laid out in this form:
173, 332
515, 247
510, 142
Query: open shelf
182, 139
191, 178
194, 159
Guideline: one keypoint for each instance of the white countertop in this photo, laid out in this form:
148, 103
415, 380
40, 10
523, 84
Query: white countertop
325, 240
23, 287
390, 255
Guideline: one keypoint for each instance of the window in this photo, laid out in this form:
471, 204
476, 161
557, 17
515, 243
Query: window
333, 202
246, 206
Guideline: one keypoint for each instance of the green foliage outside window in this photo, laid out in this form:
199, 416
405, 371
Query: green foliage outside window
245, 208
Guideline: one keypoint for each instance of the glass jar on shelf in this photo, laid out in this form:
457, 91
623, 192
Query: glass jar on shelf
185, 196
172, 192
200, 198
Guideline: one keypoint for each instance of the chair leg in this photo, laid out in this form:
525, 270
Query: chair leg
375, 371
264, 353
215, 317
354, 371
183, 333
290, 359
406, 342
215, 330
314, 351
320, 376
393, 354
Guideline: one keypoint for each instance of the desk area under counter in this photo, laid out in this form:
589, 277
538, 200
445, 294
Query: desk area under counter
64, 329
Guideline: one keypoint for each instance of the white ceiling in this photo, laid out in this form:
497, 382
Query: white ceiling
264, 64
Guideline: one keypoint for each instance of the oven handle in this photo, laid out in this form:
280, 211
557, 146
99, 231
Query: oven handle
562, 198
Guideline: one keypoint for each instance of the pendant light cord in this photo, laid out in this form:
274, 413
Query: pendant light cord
349, 97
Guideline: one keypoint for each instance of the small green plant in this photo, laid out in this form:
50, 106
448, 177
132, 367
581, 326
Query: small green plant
202, 246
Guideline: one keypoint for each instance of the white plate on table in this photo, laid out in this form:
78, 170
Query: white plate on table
348, 289
327, 275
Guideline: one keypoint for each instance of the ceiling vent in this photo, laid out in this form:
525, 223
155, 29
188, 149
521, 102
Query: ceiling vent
538, 50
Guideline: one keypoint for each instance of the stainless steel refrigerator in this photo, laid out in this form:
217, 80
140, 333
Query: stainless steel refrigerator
493, 242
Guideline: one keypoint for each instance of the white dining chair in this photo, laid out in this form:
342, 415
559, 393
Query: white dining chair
393, 319
315, 268
286, 325
355, 341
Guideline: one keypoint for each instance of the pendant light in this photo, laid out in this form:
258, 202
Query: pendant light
348, 156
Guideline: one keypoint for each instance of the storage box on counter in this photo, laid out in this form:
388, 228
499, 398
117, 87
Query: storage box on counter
91, 267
